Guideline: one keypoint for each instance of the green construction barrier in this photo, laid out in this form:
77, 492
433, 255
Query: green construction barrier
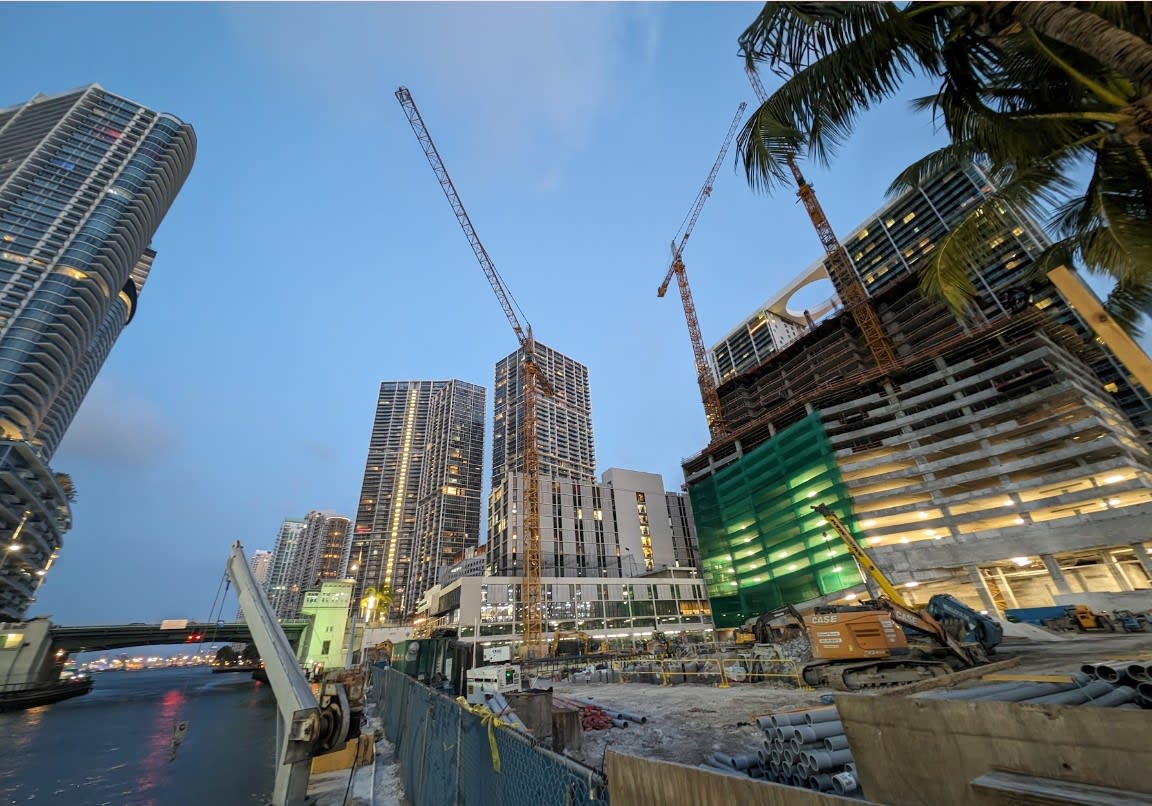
761, 544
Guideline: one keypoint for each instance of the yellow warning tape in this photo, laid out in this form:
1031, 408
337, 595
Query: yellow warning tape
492, 722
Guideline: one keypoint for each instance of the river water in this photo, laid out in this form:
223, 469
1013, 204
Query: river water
113, 746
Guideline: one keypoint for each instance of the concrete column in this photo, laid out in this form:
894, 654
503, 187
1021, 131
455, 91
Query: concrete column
1058, 578
1145, 561
982, 588
1001, 580
1117, 572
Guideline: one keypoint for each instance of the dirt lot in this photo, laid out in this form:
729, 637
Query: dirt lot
687, 723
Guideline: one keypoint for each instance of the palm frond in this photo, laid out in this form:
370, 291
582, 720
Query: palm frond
789, 36
973, 240
1129, 305
764, 145
933, 164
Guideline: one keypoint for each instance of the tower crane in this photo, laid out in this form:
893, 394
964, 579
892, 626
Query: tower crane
848, 285
716, 425
534, 383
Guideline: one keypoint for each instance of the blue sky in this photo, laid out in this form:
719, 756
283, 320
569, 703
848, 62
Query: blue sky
312, 255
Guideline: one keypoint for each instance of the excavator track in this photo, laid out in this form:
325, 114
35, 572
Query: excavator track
873, 674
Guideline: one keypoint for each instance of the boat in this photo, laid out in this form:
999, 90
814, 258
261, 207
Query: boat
17, 699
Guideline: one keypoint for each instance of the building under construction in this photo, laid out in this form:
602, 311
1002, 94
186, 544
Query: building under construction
1004, 460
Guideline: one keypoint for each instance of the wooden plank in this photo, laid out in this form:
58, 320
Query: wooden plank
1030, 790
1028, 678
951, 679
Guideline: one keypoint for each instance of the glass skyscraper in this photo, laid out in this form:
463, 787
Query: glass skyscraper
421, 496
86, 177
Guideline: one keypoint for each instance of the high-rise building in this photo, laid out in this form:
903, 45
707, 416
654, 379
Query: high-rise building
321, 553
890, 246
260, 563
563, 421
1001, 459
280, 579
625, 525
420, 498
86, 177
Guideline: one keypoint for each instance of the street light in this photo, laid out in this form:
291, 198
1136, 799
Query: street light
627, 589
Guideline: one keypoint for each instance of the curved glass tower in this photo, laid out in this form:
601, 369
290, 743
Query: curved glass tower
85, 179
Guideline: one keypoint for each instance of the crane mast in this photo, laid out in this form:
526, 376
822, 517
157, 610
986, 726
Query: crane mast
704, 377
848, 285
534, 383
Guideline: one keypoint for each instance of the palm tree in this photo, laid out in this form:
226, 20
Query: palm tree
1032, 89
375, 600
67, 486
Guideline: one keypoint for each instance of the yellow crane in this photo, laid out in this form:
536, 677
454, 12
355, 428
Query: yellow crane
534, 382
716, 425
848, 285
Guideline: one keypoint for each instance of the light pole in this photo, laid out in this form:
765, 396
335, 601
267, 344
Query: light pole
631, 623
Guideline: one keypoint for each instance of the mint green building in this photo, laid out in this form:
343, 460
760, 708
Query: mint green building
328, 609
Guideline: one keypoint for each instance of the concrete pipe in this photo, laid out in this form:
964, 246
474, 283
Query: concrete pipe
1075, 696
1088, 669
631, 717
835, 743
1037, 690
850, 767
1129, 706
822, 760
973, 693
789, 718
820, 783
763, 757
764, 723
822, 715
743, 762
845, 783
620, 723
1111, 672
1144, 690
757, 773
1140, 672
723, 759
790, 756
806, 734
1118, 696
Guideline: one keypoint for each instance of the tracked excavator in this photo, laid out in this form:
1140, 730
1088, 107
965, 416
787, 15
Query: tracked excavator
881, 642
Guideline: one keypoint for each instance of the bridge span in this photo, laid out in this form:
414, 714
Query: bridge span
103, 637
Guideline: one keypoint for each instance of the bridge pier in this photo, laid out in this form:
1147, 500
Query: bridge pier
26, 654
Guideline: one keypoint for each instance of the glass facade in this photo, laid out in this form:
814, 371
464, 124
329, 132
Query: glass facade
762, 545
85, 179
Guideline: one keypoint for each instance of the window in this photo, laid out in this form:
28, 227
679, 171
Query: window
325, 647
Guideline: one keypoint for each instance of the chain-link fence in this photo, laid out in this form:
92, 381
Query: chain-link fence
449, 755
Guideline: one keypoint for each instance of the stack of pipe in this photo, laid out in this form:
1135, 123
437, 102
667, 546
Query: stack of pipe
1118, 684
805, 748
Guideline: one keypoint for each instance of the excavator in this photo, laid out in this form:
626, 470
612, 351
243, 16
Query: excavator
881, 642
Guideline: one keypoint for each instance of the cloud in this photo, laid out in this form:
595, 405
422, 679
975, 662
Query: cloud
528, 82
116, 427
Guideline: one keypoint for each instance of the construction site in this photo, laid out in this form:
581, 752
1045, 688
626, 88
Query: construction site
922, 538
